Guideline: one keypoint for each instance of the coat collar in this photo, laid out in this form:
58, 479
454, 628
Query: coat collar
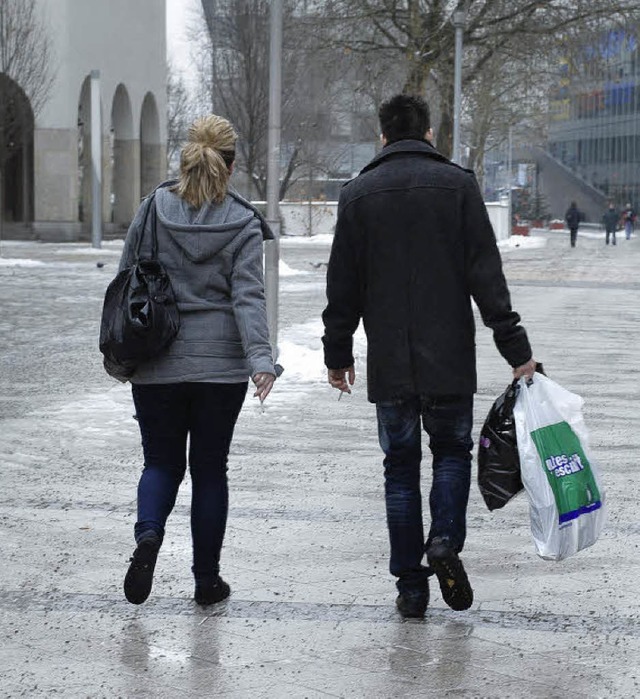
267, 233
409, 146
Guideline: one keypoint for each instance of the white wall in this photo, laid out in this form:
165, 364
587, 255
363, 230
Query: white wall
300, 218
308, 218
499, 217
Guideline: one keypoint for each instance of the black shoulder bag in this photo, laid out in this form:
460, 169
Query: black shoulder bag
140, 316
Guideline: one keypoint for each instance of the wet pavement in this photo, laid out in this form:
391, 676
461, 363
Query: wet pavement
312, 610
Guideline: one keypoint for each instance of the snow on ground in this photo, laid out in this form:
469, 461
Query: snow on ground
18, 262
286, 271
302, 364
523, 242
324, 239
515, 241
97, 418
111, 247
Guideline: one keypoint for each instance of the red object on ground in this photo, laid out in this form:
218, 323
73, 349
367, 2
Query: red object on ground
556, 226
520, 229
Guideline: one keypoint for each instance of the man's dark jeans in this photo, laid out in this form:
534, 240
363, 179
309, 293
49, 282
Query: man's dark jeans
573, 235
207, 414
448, 422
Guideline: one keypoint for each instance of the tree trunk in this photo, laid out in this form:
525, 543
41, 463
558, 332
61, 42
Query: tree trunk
418, 74
416, 80
444, 137
476, 163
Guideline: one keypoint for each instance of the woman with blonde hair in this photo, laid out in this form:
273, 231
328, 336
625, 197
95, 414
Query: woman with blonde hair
209, 240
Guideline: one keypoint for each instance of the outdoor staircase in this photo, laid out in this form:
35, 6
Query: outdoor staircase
560, 186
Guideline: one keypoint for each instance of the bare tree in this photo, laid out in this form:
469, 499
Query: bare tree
511, 91
26, 78
233, 57
180, 112
418, 35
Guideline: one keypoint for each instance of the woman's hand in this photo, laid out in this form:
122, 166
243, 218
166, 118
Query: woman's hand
264, 384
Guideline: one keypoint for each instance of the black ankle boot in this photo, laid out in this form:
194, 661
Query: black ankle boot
139, 578
211, 591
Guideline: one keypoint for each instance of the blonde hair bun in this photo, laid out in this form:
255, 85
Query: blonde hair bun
213, 131
205, 161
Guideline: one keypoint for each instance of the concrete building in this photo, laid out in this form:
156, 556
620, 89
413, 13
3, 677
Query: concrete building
47, 184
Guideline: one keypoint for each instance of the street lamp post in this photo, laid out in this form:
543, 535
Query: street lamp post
459, 19
272, 247
96, 161
510, 179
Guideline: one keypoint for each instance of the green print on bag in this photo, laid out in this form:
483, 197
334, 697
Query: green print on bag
568, 471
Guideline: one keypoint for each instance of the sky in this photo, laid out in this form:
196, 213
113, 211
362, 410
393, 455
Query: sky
178, 17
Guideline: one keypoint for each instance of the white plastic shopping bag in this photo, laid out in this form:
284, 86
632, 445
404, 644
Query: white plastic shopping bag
566, 498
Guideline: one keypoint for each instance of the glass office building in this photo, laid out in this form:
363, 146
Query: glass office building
595, 116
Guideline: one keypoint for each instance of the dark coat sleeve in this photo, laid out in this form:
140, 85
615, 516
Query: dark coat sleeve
344, 292
486, 280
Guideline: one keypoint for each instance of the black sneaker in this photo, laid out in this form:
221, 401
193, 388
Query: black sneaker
448, 568
211, 592
139, 578
412, 604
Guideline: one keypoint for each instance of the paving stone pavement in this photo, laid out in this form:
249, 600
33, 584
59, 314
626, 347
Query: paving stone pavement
312, 610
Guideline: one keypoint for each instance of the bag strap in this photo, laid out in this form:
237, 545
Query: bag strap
154, 232
154, 238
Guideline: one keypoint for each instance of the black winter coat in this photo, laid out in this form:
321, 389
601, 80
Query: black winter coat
413, 243
610, 220
573, 218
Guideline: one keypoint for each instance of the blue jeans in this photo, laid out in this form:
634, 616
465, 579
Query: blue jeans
167, 415
448, 421
628, 229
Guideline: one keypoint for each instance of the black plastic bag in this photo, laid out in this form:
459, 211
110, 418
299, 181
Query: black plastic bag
498, 460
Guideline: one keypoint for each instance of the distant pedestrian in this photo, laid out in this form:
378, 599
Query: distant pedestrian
210, 242
413, 244
628, 220
610, 221
573, 218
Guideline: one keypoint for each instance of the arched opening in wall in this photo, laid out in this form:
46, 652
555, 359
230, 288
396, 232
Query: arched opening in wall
124, 190
16, 152
84, 152
152, 158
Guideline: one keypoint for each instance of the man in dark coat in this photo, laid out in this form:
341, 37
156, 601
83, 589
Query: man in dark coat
610, 220
573, 218
413, 244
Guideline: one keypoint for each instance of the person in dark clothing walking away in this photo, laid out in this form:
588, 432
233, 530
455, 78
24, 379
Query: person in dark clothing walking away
413, 245
210, 242
573, 218
610, 221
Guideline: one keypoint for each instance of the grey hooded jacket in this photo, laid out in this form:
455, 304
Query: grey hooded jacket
213, 257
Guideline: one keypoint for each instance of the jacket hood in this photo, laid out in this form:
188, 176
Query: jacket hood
410, 146
202, 233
